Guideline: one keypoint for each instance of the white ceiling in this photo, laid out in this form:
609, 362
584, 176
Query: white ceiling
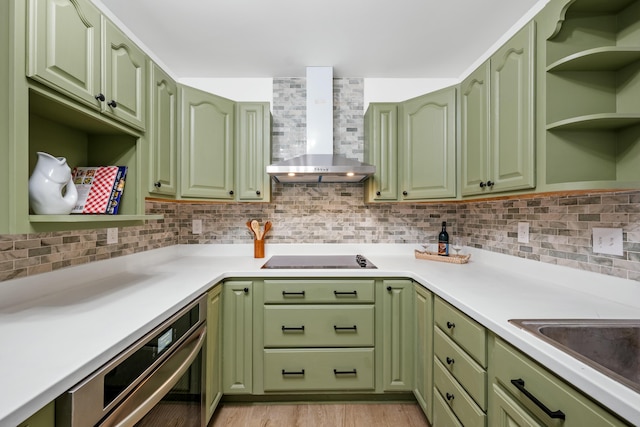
359, 38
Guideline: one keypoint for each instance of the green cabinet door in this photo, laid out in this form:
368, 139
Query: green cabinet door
381, 150
253, 151
45, 417
513, 112
423, 390
475, 132
213, 382
427, 146
163, 132
398, 337
237, 337
124, 76
207, 169
64, 40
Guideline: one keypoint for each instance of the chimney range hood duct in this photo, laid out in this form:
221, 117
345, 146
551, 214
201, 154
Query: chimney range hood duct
320, 164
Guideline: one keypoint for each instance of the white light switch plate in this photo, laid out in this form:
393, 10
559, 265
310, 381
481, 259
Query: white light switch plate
196, 226
607, 241
523, 232
112, 236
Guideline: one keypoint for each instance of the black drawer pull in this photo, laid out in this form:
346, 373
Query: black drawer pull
292, 372
292, 328
345, 328
451, 325
519, 383
450, 397
450, 361
354, 293
352, 372
288, 294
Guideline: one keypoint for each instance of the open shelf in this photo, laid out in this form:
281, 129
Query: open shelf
610, 58
603, 121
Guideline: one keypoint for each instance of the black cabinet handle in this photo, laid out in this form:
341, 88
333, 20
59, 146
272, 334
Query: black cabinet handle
490, 183
337, 293
450, 361
404, 193
482, 184
157, 184
293, 328
100, 97
377, 193
246, 290
450, 397
519, 383
292, 372
231, 192
389, 288
352, 372
451, 325
345, 328
288, 294
257, 192
112, 104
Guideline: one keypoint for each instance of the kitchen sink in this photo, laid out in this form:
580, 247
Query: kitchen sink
609, 346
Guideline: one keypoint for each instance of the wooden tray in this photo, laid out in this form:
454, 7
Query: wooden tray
454, 259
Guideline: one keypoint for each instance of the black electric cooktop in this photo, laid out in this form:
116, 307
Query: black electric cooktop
318, 261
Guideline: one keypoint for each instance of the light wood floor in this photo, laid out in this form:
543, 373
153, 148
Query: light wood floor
321, 415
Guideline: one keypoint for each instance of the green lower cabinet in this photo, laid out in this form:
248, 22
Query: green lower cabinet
45, 417
237, 337
327, 369
423, 354
213, 365
516, 380
398, 338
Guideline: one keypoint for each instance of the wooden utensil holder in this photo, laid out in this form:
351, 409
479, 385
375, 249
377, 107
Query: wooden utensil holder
258, 248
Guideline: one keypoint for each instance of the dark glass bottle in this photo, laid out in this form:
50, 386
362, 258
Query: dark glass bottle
443, 240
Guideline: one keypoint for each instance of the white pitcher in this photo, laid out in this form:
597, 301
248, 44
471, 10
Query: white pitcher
49, 178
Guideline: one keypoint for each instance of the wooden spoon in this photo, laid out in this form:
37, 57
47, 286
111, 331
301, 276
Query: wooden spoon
255, 226
250, 228
267, 227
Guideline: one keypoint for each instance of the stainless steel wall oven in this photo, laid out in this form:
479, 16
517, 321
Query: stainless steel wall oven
159, 381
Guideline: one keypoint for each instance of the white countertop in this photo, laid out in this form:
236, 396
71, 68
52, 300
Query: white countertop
59, 327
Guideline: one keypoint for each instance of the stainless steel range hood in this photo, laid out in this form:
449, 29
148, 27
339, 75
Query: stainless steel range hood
320, 164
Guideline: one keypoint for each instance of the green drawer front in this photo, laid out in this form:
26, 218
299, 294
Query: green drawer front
442, 415
319, 326
465, 409
467, 333
554, 393
318, 369
319, 291
463, 368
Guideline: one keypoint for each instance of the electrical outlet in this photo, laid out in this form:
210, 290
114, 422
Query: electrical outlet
112, 236
196, 226
607, 241
523, 232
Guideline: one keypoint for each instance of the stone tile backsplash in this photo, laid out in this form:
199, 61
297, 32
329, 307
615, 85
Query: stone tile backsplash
560, 225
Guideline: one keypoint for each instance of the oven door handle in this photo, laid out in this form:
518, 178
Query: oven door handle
152, 389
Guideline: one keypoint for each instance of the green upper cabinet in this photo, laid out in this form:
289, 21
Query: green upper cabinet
253, 151
75, 50
123, 77
427, 146
513, 113
398, 339
589, 70
162, 132
475, 110
207, 166
497, 120
381, 150
64, 48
